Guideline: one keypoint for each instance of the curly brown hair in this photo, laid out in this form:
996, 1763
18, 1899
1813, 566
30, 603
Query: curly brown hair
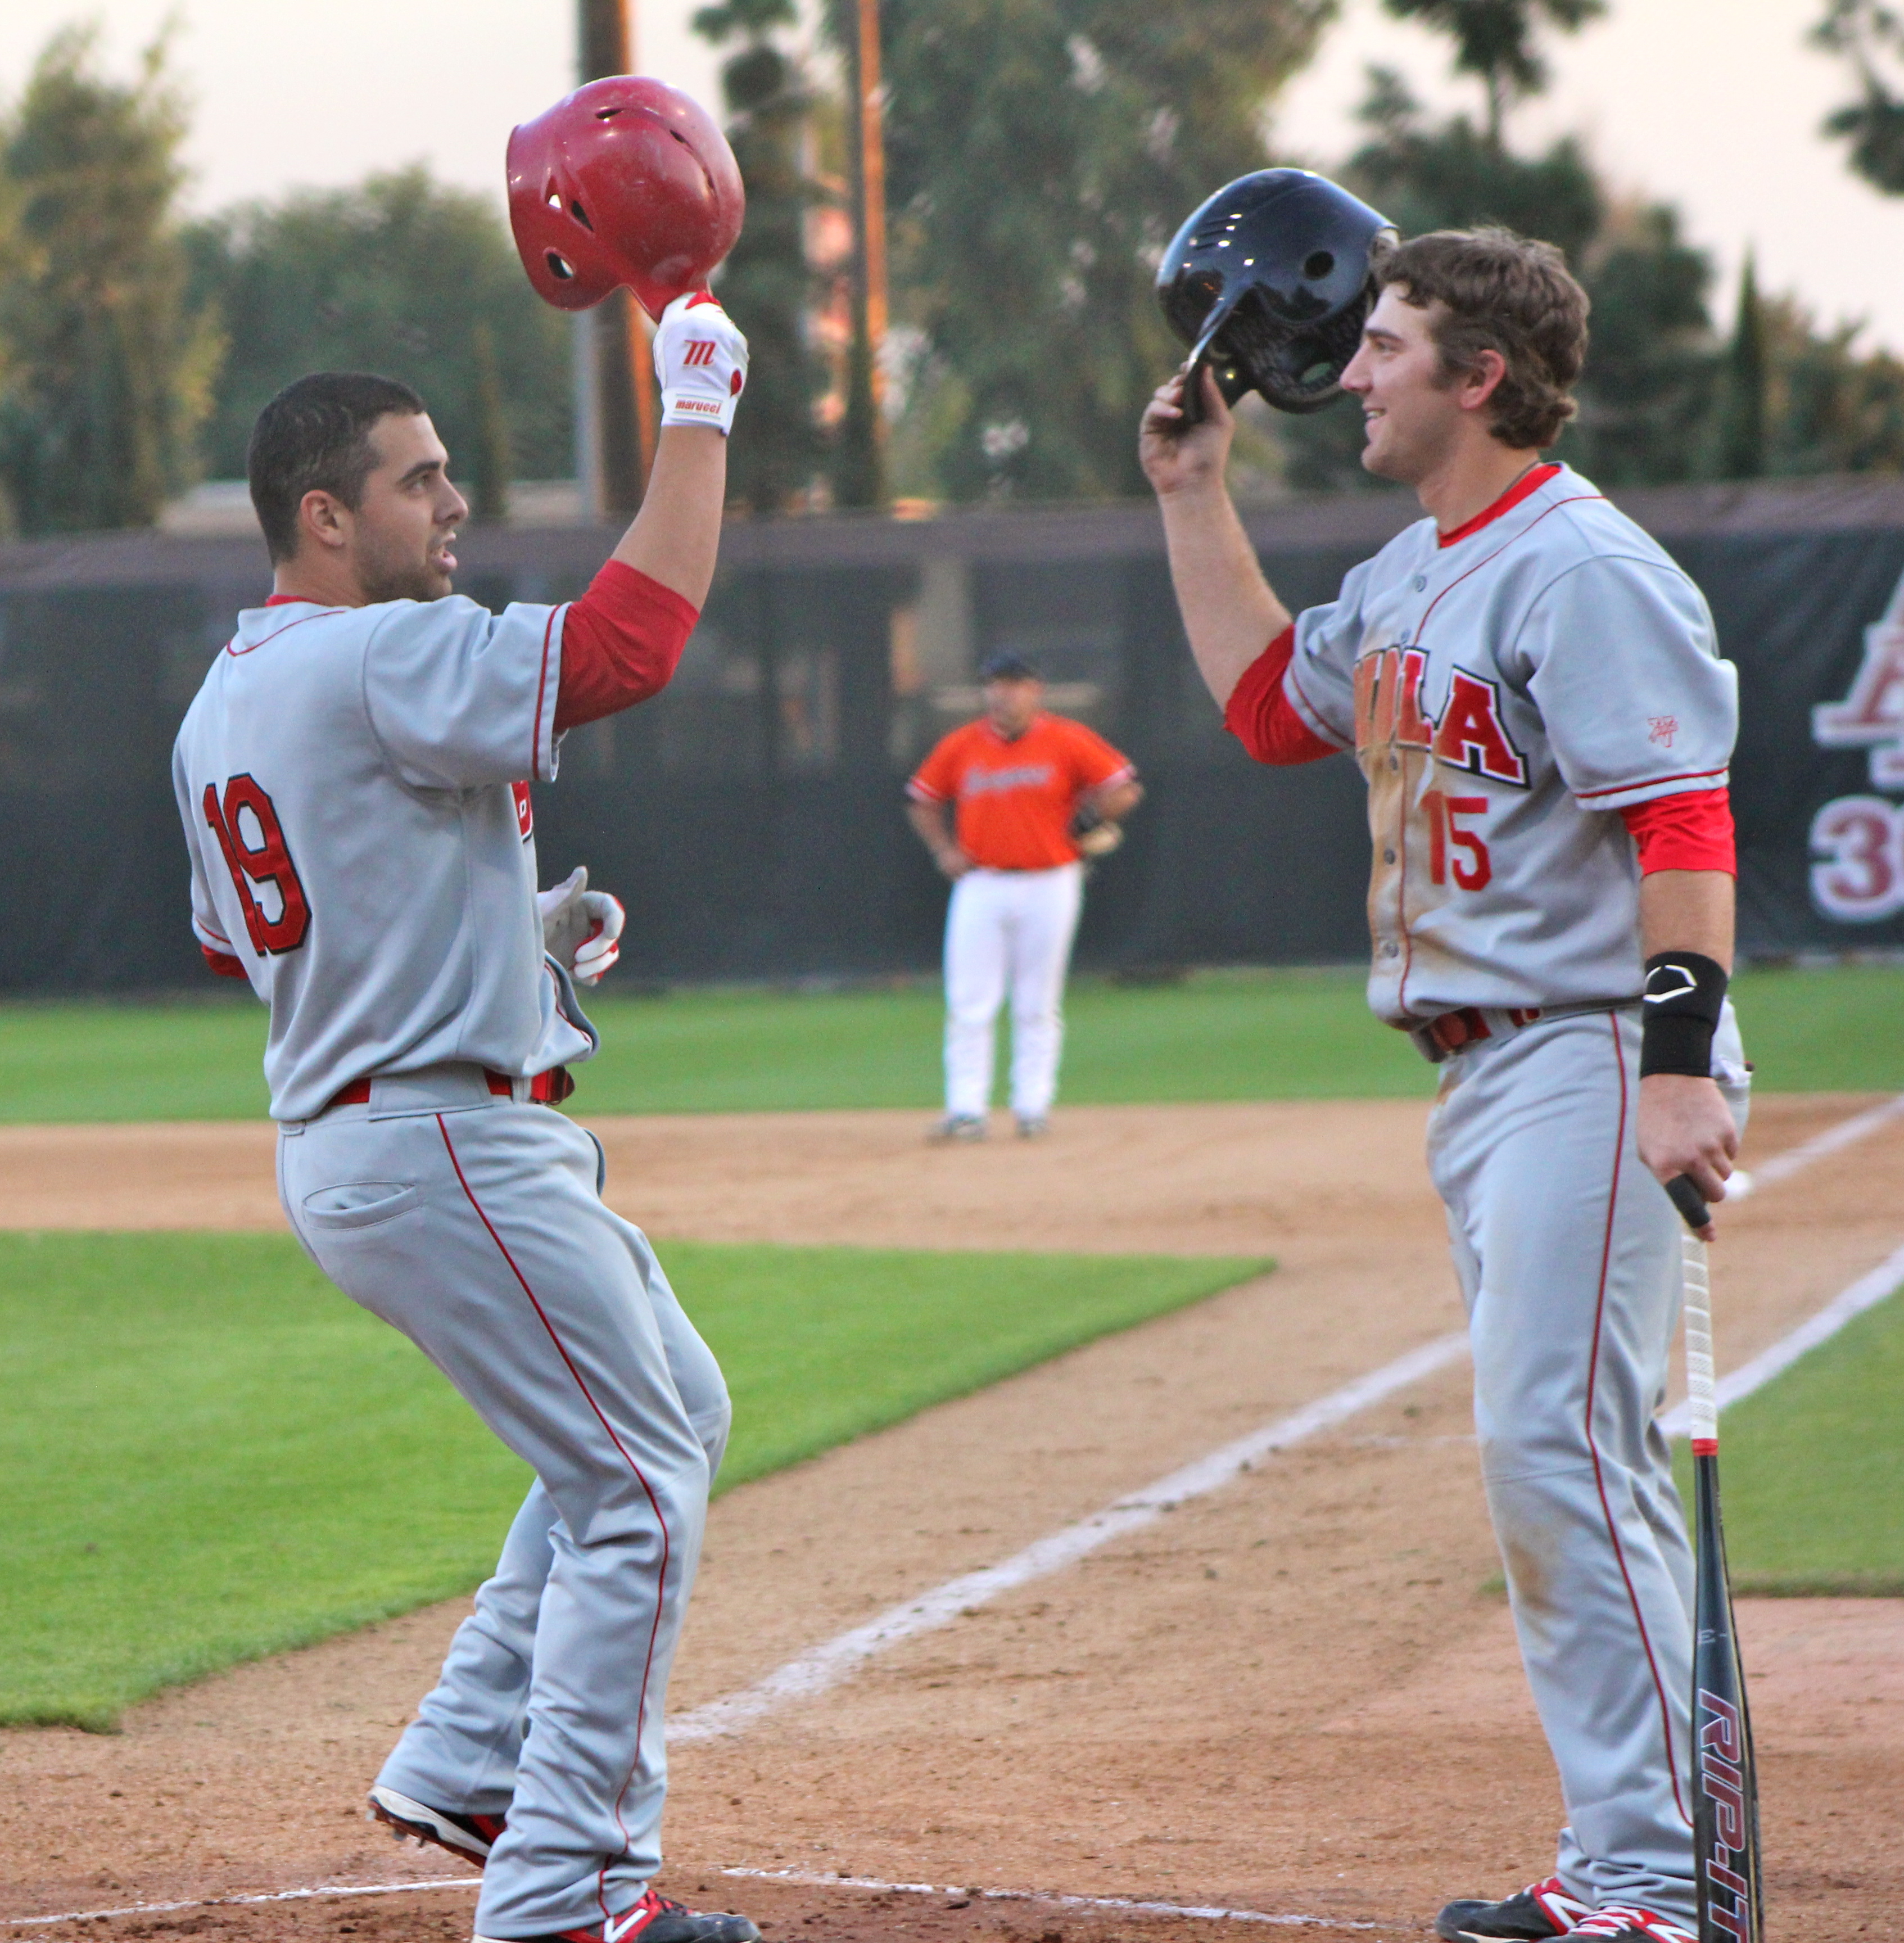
1504, 293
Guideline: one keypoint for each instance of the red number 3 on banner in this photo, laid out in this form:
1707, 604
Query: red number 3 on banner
255, 853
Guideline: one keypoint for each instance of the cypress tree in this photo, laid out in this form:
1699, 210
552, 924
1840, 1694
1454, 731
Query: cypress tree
1742, 417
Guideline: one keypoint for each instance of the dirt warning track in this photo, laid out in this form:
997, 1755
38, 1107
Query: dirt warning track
1292, 1696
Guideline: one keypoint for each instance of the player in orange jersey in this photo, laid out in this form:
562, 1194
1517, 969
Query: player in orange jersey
1027, 788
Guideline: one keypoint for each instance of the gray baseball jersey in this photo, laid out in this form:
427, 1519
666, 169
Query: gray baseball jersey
354, 786
1502, 693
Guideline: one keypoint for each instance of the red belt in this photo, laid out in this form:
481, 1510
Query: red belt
1453, 1030
544, 1088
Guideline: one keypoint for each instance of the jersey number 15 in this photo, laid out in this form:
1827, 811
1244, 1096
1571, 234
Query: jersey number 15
1474, 869
256, 855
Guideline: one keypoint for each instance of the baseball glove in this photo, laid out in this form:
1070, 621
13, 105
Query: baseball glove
1095, 836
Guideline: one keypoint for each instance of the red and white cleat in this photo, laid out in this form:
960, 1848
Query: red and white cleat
653, 1920
471, 1837
1542, 1909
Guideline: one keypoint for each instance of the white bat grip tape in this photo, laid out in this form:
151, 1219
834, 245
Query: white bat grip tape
1702, 1404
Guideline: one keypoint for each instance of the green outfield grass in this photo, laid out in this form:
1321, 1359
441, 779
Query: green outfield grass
1812, 1468
209, 1454
1217, 1036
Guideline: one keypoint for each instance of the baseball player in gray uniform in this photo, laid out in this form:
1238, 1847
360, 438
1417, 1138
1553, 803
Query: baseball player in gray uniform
353, 778
1533, 692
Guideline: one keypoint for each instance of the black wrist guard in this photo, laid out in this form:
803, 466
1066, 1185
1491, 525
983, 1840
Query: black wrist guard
1684, 992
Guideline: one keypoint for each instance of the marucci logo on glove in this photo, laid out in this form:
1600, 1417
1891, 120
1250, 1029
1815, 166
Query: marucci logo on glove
701, 361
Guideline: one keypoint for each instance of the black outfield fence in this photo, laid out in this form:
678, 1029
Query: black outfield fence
751, 816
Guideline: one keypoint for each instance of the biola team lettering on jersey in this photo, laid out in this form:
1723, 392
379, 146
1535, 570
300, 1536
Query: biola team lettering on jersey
354, 786
1505, 690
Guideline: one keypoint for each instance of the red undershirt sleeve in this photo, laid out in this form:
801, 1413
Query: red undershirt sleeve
1691, 831
1259, 715
222, 962
621, 643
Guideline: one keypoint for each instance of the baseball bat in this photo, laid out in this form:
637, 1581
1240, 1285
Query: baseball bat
1725, 1774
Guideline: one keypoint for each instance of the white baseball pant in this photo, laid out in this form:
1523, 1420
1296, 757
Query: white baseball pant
1008, 930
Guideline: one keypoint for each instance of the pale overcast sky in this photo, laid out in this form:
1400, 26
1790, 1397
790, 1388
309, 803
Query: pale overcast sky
1714, 104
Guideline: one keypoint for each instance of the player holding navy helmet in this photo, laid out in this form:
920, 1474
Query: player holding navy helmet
354, 778
1533, 692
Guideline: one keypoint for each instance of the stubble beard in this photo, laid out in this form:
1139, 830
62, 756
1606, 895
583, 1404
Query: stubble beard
1401, 463
399, 578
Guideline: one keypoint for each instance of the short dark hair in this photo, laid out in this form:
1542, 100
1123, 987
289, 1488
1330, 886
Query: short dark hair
315, 436
1007, 666
1504, 293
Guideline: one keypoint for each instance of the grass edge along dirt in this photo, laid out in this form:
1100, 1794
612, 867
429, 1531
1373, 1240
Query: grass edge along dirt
1211, 1036
214, 1455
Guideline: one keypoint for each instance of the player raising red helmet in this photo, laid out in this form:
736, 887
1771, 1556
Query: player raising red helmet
626, 181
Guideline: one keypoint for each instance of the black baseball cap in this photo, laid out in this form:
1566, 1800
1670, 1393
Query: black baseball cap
1006, 666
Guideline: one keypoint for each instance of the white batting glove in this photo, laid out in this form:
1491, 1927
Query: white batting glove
581, 929
701, 359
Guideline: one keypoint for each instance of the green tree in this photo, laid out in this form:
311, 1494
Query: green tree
1646, 396
766, 282
1039, 154
1828, 409
1647, 388
400, 275
18, 266
1425, 175
1497, 42
1741, 417
1870, 35
108, 367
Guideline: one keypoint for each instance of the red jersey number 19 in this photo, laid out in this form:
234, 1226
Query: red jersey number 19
256, 855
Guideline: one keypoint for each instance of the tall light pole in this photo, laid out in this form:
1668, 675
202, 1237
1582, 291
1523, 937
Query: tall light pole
872, 190
861, 476
615, 401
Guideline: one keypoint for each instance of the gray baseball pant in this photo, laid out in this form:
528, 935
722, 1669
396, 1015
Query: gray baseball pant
475, 1225
1568, 1255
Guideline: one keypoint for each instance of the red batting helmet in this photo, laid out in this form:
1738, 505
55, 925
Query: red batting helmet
625, 181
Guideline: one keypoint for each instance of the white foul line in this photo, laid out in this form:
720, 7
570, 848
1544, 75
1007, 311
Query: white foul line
1833, 1140
236, 1901
1125, 1905
825, 1665
1208, 1912
1865, 1293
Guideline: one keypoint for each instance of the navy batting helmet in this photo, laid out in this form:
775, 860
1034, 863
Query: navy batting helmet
1269, 282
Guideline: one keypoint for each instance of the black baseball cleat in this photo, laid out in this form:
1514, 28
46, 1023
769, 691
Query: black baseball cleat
653, 1920
471, 1837
1542, 1909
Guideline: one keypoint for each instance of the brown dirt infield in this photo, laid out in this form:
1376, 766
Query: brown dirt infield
1295, 1696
